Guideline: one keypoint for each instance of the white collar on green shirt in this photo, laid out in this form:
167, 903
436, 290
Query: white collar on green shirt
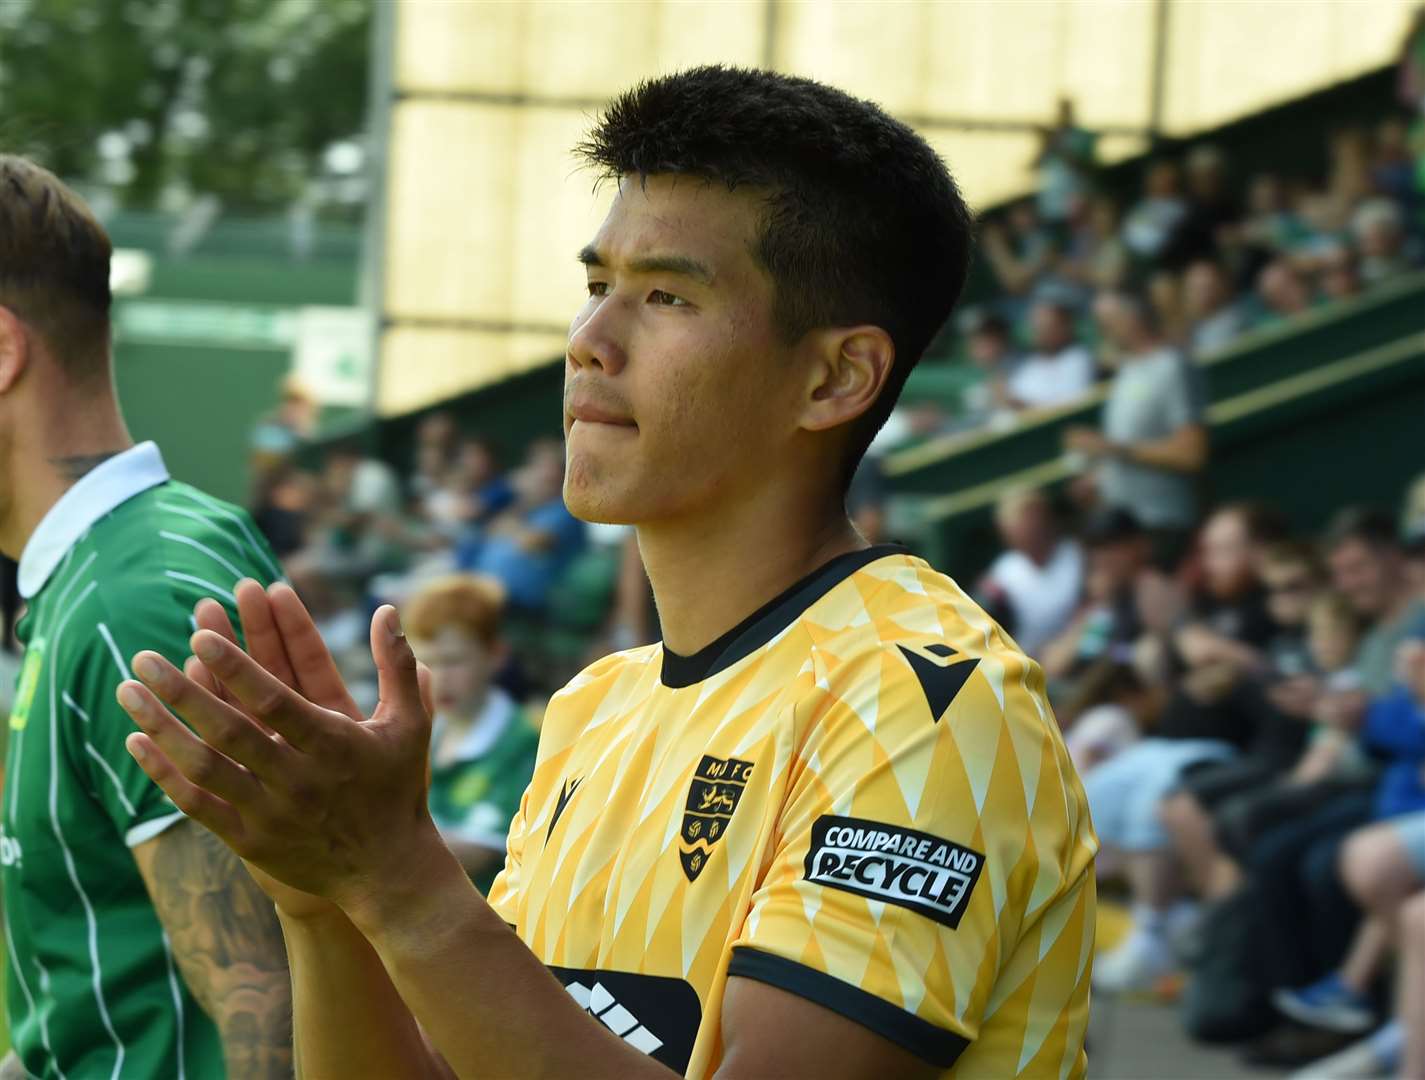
485, 732
95, 493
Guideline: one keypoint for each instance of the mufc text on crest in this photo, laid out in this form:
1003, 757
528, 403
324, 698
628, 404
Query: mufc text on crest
713, 795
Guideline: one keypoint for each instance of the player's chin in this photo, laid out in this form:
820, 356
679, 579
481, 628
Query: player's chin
592, 494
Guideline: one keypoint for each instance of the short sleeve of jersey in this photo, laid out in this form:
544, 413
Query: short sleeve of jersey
504, 895
903, 861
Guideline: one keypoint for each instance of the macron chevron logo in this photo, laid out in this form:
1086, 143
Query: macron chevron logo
600, 1003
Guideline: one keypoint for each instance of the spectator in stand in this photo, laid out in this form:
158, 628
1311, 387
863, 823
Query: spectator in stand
1282, 291
282, 506
1212, 210
1153, 442
482, 744
359, 528
1378, 228
527, 545
278, 434
1218, 648
1065, 165
1213, 318
1152, 221
1020, 250
1382, 864
1059, 370
1039, 579
1109, 621
1338, 273
987, 400
435, 448
1393, 166
1096, 257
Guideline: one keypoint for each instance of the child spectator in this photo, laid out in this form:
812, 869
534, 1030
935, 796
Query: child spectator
482, 743
1334, 632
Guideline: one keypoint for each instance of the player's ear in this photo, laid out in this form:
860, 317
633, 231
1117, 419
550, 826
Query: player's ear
851, 366
14, 349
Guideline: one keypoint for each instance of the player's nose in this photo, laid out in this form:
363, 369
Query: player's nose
597, 341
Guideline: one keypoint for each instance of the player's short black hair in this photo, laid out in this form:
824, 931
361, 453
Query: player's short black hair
863, 222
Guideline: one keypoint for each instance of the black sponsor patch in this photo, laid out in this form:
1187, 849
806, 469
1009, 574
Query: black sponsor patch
891, 863
653, 1013
717, 786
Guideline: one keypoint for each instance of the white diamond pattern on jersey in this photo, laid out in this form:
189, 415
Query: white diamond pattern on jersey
600, 1003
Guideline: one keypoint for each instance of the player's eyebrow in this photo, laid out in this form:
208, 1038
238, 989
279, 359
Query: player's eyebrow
682, 265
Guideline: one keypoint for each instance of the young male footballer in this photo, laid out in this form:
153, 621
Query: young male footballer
827, 826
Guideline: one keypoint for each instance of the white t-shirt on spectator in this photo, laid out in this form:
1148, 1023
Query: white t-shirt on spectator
1042, 598
1045, 379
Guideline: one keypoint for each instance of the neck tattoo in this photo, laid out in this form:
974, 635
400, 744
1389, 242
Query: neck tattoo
77, 465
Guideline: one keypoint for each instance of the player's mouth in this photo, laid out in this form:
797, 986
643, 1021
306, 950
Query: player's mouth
586, 412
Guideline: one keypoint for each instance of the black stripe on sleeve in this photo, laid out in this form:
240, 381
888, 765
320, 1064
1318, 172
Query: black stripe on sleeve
922, 1038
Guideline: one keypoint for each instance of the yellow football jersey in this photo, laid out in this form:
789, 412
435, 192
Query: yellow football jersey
858, 795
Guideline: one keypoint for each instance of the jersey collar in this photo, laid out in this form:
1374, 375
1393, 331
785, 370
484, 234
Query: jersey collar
768, 621
95, 494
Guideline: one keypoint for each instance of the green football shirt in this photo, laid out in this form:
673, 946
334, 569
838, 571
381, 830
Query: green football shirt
475, 795
114, 567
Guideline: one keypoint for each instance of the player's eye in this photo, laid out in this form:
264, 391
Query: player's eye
598, 288
658, 296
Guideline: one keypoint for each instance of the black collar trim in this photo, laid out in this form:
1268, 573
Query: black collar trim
769, 620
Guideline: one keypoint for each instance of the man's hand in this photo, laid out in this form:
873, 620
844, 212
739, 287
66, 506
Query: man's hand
1296, 696
317, 797
1087, 440
1342, 711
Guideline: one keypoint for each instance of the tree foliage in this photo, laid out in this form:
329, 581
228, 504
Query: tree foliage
240, 99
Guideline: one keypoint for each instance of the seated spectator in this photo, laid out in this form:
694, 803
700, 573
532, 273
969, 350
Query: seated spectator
1378, 228
1282, 292
281, 508
1382, 864
1059, 370
279, 434
1393, 167
1213, 319
358, 525
1039, 579
1151, 222
1019, 250
527, 545
987, 400
482, 744
1338, 275
1109, 621
435, 448
1212, 210
1220, 646
1272, 227
1096, 257
470, 491
1153, 442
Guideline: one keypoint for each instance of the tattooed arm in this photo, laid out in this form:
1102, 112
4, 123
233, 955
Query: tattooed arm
228, 945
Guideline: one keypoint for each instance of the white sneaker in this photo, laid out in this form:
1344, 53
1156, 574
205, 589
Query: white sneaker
1137, 964
1359, 1061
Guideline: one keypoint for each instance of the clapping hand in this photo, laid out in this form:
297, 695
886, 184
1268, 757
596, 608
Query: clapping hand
280, 764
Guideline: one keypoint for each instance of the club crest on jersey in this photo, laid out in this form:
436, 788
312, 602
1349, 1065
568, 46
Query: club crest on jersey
717, 786
893, 864
28, 684
941, 672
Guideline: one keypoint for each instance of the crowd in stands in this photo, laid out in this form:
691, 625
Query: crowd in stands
1245, 703
1208, 255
